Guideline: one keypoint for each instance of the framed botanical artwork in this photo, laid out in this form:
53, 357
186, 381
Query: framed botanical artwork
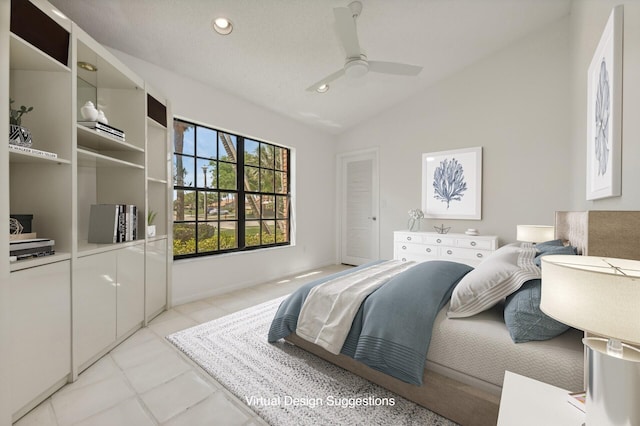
604, 112
452, 184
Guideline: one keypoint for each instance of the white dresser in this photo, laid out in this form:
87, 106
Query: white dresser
421, 246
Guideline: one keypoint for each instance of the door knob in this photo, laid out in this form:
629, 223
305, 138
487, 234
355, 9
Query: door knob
372, 217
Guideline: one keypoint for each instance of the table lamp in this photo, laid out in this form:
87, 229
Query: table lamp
601, 296
534, 233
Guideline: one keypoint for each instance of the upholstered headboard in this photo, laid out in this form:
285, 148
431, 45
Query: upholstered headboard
601, 232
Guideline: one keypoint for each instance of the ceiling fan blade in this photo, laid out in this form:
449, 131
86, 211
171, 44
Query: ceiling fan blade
328, 79
394, 68
346, 29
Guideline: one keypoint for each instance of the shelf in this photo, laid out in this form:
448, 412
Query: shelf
26, 57
38, 261
93, 159
155, 180
89, 138
157, 238
25, 157
88, 249
153, 123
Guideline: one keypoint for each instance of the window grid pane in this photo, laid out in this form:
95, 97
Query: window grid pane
210, 213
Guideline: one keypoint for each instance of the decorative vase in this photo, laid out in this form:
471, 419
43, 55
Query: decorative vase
101, 117
413, 224
151, 230
19, 135
89, 112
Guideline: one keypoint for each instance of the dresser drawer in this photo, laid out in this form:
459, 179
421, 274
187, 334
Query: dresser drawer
439, 240
407, 237
412, 249
453, 253
475, 244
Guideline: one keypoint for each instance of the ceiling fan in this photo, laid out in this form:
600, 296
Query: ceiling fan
356, 63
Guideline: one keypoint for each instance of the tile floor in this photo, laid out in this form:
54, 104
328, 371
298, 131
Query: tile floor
146, 381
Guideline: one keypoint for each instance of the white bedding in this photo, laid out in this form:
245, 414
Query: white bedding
477, 350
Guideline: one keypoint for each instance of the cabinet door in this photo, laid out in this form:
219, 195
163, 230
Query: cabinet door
40, 312
156, 277
130, 294
95, 282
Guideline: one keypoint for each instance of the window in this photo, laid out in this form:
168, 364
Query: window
223, 201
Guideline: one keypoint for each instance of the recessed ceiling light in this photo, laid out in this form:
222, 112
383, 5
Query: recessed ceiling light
87, 66
323, 88
222, 26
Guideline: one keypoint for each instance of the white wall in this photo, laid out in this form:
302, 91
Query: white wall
516, 105
588, 18
314, 168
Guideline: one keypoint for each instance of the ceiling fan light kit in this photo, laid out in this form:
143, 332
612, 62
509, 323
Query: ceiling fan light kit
356, 64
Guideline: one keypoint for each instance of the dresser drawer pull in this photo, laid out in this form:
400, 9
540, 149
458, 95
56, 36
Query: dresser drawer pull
404, 247
438, 241
473, 243
479, 255
449, 252
408, 238
404, 259
428, 250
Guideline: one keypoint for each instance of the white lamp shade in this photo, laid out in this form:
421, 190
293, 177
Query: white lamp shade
535, 233
594, 294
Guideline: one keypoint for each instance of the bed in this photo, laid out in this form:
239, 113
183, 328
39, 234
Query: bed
470, 347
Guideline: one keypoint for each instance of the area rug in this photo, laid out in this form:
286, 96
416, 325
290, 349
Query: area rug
286, 385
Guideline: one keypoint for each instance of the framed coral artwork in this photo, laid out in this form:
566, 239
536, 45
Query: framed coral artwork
452, 184
604, 112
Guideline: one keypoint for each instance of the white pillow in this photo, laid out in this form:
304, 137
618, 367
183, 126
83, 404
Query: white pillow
502, 273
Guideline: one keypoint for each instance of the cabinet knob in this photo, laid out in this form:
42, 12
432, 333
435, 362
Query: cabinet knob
449, 252
473, 243
438, 241
479, 255
404, 247
404, 259
428, 250
408, 238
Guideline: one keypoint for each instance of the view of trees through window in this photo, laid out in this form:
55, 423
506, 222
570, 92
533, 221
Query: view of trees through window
223, 201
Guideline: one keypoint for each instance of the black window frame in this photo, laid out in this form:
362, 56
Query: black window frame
240, 194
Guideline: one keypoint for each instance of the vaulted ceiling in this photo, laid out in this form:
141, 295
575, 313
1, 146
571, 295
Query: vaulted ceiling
279, 48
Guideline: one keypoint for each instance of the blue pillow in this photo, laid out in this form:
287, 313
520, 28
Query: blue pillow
554, 250
548, 245
525, 320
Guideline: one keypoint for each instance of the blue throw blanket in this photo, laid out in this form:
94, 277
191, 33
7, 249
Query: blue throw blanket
392, 330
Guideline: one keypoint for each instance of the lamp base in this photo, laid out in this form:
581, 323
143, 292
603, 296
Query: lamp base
613, 390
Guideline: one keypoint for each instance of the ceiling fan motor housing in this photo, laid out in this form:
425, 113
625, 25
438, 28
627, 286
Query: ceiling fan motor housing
356, 68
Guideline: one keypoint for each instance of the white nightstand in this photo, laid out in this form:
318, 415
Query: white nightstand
528, 402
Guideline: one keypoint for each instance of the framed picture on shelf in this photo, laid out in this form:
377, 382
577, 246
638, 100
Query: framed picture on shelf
604, 112
452, 184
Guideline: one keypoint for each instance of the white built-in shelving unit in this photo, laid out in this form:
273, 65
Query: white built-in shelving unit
69, 309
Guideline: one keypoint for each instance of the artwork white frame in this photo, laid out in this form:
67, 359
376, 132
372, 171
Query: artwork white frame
604, 112
463, 166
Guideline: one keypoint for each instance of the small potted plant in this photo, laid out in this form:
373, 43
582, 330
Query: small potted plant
18, 135
151, 228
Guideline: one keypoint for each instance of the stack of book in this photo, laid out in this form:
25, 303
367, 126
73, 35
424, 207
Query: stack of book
27, 150
25, 249
113, 223
104, 128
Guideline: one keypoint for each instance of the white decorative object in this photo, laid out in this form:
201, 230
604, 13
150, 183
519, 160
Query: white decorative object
604, 112
535, 233
414, 219
151, 230
452, 184
471, 231
102, 118
89, 111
